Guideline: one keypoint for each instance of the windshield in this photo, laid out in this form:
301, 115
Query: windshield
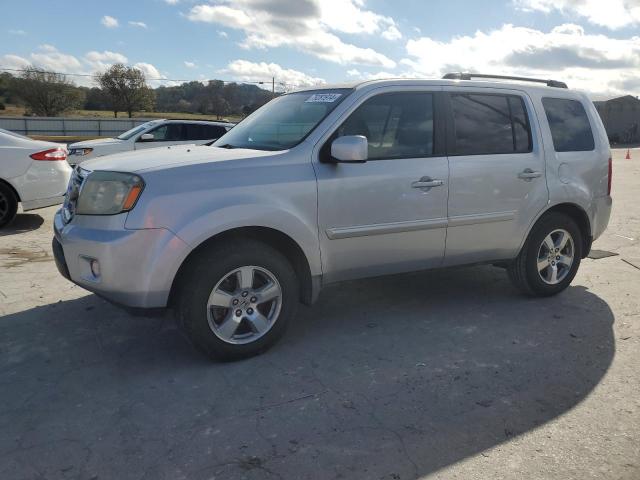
134, 131
284, 121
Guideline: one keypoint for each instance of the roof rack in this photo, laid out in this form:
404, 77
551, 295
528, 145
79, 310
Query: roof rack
469, 76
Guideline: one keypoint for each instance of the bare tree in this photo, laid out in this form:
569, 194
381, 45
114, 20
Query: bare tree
127, 89
47, 93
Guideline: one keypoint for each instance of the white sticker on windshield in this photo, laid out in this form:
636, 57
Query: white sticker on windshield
323, 97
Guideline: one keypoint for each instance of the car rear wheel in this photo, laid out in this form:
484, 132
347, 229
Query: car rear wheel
235, 300
550, 257
8, 205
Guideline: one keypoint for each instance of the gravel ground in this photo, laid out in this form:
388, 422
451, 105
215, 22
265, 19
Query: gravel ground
443, 374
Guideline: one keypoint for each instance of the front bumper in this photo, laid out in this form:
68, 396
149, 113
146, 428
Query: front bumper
136, 267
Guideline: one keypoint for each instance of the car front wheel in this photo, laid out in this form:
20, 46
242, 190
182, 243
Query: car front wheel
236, 299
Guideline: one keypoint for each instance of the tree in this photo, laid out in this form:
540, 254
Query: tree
127, 88
47, 94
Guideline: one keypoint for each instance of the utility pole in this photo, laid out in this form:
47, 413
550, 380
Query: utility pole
273, 86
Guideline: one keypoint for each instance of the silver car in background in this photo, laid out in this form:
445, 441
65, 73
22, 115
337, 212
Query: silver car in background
338, 183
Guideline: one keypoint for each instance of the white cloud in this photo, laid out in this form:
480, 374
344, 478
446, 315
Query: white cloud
100, 61
243, 70
392, 33
190, 64
137, 24
595, 63
14, 62
49, 58
310, 26
612, 14
109, 22
172, 2
17, 32
153, 75
354, 72
223, 34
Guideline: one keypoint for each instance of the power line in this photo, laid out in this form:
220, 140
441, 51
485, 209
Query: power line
256, 82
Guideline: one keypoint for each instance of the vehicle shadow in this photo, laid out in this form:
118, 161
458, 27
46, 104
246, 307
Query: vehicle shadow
391, 377
24, 222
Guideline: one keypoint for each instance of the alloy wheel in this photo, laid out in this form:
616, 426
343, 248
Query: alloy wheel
555, 256
244, 305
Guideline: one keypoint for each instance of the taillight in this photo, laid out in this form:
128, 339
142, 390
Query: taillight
51, 154
610, 175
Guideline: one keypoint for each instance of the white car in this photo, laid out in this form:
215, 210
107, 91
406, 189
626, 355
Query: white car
32, 172
156, 133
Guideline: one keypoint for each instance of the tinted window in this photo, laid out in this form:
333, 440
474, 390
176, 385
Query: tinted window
196, 131
490, 124
397, 125
569, 124
170, 132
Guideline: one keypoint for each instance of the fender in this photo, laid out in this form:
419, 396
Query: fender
200, 229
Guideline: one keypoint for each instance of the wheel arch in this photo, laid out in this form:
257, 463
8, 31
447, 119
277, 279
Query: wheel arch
577, 214
276, 239
12, 188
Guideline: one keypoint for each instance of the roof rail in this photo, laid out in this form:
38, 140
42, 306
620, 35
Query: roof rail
469, 76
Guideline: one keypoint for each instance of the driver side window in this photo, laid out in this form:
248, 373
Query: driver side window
396, 125
167, 133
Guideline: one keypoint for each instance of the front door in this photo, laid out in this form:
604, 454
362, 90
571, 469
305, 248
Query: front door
497, 182
387, 215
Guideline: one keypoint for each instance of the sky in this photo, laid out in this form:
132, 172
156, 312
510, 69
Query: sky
593, 45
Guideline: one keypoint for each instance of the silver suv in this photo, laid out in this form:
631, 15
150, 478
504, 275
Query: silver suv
332, 184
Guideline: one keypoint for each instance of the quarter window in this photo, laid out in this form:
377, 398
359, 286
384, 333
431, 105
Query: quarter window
397, 125
490, 124
569, 124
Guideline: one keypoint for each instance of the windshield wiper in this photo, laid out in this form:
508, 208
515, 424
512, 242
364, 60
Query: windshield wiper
226, 145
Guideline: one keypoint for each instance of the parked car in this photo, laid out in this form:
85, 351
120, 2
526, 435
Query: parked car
32, 173
333, 184
156, 133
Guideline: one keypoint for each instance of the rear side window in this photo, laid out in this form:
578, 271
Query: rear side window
569, 124
490, 124
397, 125
199, 131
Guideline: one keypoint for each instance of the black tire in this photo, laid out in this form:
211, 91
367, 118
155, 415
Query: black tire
523, 271
8, 205
210, 267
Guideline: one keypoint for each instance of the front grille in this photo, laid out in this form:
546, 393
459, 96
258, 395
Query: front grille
73, 191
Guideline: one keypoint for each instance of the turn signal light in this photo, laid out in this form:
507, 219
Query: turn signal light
50, 155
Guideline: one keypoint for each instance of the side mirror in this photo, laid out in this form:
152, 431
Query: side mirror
350, 149
146, 137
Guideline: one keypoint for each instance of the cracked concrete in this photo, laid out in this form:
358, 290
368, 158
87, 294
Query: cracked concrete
444, 374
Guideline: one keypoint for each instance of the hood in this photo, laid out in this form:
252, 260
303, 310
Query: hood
167, 157
96, 143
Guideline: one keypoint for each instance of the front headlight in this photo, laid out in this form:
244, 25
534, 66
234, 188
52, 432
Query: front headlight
109, 193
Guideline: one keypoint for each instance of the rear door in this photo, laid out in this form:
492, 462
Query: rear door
497, 174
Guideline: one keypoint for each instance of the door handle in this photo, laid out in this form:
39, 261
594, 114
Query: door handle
527, 175
427, 182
